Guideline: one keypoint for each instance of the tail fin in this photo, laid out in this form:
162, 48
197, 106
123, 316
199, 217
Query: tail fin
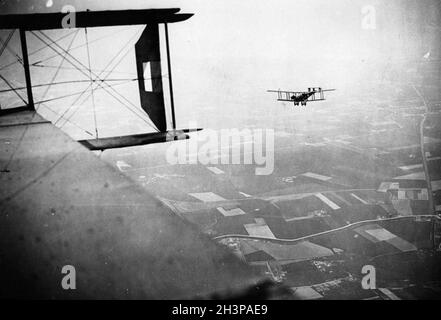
148, 57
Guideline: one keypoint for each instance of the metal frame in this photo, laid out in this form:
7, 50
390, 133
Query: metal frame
170, 81
27, 71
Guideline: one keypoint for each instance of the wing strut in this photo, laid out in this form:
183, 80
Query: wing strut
170, 82
27, 72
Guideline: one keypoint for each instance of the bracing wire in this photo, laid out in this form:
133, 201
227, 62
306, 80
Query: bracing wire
95, 82
112, 34
13, 89
103, 80
125, 105
71, 122
79, 92
5, 43
70, 82
91, 82
78, 62
58, 70
98, 77
34, 52
57, 40
39, 65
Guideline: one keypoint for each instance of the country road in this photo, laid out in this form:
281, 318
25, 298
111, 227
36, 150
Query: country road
423, 153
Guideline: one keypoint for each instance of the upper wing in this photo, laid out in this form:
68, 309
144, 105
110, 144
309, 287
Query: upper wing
285, 95
83, 19
287, 92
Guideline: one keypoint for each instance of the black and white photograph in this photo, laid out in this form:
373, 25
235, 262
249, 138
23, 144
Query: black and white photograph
220, 150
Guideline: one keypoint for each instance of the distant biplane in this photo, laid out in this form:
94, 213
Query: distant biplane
301, 97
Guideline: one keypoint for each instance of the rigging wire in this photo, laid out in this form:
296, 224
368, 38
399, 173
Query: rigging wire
70, 82
58, 70
97, 82
5, 43
112, 34
102, 80
38, 65
71, 122
34, 52
91, 82
105, 68
13, 89
20, 140
72, 57
116, 92
6, 167
78, 92
122, 103
125, 105
118, 62
68, 54
17, 56
57, 40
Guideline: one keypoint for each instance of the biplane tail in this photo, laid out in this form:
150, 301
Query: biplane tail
319, 89
148, 59
151, 92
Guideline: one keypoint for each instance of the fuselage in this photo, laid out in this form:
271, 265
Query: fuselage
302, 97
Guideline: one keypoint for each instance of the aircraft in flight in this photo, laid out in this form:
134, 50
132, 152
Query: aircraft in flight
146, 54
60, 205
301, 97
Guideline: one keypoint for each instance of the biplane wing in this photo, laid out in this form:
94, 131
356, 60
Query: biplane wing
286, 92
60, 205
148, 61
313, 94
90, 19
137, 139
283, 95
